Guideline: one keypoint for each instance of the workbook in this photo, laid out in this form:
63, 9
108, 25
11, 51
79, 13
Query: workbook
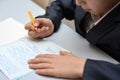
15, 54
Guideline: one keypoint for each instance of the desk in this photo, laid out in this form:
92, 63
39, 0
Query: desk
65, 37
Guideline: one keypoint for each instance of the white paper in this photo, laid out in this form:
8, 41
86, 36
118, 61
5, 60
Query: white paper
16, 49
14, 56
11, 30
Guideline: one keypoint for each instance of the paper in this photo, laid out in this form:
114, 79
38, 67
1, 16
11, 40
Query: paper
16, 49
11, 30
14, 56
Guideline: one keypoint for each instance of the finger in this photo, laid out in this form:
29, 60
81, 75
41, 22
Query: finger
39, 60
47, 72
29, 26
35, 34
64, 53
43, 29
39, 33
40, 66
32, 34
42, 20
36, 23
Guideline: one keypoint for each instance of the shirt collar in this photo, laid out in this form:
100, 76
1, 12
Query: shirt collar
106, 13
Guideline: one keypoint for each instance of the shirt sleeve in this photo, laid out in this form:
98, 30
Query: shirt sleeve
101, 70
58, 10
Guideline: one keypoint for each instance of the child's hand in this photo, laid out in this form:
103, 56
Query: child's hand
64, 65
44, 26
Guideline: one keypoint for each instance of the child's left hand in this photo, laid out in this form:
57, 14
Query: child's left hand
64, 65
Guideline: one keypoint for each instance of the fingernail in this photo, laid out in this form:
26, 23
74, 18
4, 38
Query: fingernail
36, 24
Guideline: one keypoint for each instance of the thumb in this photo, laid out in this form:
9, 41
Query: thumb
64, 53
36, 23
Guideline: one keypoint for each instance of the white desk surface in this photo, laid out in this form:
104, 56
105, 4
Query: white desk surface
65, 37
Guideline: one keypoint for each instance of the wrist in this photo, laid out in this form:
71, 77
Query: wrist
82, 66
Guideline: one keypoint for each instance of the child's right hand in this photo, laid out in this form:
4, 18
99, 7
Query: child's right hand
44, 26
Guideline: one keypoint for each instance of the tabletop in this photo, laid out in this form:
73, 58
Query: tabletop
65, 36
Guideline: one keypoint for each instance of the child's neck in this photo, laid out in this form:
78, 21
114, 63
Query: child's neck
97, 17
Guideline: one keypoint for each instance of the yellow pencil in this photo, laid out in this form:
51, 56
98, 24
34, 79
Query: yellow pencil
32, 19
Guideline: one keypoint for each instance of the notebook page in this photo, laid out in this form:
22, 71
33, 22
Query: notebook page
11, 30
14, 56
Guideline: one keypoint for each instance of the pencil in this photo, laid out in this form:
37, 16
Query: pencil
32, 19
